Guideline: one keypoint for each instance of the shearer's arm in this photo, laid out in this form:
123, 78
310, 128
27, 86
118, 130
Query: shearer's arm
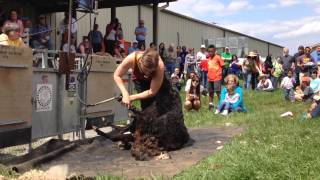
126, 64
156, 83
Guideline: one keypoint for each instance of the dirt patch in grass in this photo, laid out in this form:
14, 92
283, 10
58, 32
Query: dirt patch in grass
103, 157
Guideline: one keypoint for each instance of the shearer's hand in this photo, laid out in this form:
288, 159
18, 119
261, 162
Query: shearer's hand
126, 101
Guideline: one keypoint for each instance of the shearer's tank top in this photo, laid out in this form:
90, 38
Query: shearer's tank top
137, 74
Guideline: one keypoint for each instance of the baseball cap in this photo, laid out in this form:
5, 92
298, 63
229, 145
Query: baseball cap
203, 46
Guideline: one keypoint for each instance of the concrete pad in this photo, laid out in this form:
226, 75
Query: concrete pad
103, 156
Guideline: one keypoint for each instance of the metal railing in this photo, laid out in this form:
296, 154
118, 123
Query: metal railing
44, 58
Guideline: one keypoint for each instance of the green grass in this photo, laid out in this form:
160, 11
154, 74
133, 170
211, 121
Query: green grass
269, 148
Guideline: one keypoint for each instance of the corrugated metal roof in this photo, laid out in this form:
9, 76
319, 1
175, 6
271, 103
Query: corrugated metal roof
49, 6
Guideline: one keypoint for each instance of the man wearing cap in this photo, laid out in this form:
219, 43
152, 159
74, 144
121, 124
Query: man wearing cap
202, 58
226, 57
134, 47
41, 31
248, 68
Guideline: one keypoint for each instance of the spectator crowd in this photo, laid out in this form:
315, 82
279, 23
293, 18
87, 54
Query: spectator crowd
204, 73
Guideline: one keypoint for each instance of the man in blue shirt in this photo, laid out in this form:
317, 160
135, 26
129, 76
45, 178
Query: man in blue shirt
96, 38
41, 38
316, 54
141, 33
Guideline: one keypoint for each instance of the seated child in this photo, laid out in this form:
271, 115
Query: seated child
175, 79
264, 84
304, 91
193, 95
231, 97
287, 85
315, 81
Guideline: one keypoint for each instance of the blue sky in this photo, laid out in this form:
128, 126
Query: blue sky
285, 22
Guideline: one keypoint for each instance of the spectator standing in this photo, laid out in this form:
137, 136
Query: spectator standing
182, 56
248, 68
202, 58
42, 32
235, 66
178, 51
215, 66
226, 57
119, 32
287, 61
190, 62
141, 33
277, 72
316, 55
306, 63
96, 38
110, 36
257, 69
134, 47
64, 28
267, 66
297, 68
171, 60
27, 24
15, 22
163, 53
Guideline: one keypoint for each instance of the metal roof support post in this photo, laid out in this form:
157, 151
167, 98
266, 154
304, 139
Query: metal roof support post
113, 13
155, 23
139, 13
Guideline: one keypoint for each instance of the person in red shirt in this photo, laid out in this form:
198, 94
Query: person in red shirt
215, 66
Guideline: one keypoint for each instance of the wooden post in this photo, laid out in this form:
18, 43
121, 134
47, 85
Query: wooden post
113, 13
